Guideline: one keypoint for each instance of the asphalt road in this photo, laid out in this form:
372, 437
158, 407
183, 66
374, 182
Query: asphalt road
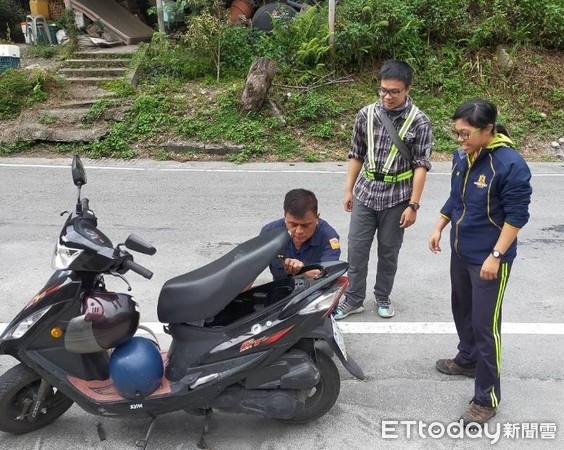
195, 212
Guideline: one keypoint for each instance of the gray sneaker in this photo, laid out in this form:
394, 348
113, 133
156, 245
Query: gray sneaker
385, 311
346, 309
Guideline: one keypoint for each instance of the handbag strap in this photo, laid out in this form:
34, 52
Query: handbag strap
389, 126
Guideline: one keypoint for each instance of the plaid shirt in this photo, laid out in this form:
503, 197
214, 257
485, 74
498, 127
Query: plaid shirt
380, 195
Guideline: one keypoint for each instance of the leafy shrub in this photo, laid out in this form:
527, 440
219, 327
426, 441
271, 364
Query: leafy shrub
41, 51
19, 89
114, 145
11, 14
166, 58
444, 21
535, 22
552, 32
14, 147
239, 46
378, 30
300, 46
224, 123
311, 106
323, 130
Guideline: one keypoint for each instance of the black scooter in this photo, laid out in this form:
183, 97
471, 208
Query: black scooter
252, 351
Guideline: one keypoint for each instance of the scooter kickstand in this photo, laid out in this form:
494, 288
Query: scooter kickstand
202, 443
143, 442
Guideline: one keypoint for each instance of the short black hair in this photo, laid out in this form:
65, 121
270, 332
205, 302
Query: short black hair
394, 69
479, 113
299, 201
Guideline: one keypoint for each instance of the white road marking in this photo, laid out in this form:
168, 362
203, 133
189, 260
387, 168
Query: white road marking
412, 328
193, 169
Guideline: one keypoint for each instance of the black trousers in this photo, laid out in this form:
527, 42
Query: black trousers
476, 307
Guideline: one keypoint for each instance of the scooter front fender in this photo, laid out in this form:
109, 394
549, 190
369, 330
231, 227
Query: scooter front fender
326, 333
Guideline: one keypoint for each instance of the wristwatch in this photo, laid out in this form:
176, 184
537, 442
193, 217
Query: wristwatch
414, 206
496, 253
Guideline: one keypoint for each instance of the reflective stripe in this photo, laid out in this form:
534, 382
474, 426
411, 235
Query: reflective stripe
504, 275
371, 171
370, 137
495, 401
389, 178
402, 132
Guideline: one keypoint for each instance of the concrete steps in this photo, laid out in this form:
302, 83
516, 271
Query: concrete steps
93, 72
96, 62
88, 102
96, 66
71, 119
60, 125
91, 81
67, 117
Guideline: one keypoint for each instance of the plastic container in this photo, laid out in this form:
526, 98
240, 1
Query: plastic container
262, 19
240, 10
25, 33
9, 57
39, 8
53, 28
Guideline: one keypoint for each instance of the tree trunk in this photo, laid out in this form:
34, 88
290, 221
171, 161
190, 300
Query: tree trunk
258, 83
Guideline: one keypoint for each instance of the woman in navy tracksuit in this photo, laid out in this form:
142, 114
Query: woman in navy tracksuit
488, 204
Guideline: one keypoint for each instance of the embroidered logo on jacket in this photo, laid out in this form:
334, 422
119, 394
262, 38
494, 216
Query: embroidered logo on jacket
481, 183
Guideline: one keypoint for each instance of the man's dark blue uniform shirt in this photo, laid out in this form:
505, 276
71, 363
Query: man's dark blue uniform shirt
321, 247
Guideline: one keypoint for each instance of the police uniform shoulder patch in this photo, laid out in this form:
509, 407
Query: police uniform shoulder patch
335, 244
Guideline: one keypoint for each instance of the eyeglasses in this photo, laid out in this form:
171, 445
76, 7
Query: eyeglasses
391, 92
464, 134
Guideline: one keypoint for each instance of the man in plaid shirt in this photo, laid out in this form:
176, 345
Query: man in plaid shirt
383, 188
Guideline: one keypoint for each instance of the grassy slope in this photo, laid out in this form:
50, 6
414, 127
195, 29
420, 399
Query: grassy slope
530, 96
318, 123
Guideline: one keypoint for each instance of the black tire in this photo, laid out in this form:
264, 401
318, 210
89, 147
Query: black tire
19, 384
325, 394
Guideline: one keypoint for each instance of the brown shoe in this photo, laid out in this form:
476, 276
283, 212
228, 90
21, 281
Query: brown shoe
477, 414
449, 367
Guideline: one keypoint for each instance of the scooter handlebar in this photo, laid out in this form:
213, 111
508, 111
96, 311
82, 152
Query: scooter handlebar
138, 268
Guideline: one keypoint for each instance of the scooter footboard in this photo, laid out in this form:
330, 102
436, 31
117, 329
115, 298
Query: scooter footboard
331, 334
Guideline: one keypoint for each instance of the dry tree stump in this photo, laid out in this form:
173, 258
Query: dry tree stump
257, 84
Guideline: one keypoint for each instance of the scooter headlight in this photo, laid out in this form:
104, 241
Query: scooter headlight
25, 325
63, 257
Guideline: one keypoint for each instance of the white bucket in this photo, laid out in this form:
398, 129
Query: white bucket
79, 19
25, 33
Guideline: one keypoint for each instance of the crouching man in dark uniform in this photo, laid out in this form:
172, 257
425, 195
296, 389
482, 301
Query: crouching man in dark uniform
313, 239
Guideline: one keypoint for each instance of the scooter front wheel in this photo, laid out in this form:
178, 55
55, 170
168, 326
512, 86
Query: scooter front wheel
18, 392
322, 398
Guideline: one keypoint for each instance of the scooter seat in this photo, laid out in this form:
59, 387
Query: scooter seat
204, 292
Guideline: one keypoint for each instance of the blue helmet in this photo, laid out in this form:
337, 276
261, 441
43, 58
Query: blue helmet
136, 368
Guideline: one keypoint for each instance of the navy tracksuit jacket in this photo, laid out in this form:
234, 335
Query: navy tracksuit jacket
486, 193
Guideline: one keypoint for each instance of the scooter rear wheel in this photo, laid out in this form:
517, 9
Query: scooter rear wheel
18, 387
325, 394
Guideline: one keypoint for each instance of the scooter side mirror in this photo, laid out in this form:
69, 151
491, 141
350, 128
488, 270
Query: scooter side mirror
137, 244
78, 172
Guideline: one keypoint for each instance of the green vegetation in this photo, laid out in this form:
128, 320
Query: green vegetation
15, 147
11, 14
20, 89
41, 51
509, 51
